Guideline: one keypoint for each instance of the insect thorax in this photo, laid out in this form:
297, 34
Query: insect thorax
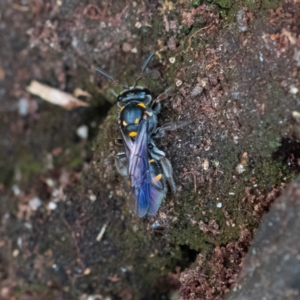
133, 104
139, 94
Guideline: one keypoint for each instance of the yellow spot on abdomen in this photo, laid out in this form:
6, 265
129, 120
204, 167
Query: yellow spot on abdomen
151, 160
157, 178
136, 121
132, 133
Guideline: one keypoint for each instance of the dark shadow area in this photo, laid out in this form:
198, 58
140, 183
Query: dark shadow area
289, 154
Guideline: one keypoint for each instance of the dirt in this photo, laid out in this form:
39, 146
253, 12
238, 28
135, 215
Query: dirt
271, 269
67, 231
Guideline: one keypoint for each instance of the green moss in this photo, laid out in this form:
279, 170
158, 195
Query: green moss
224, 3
268, 4
28, 164
196, 3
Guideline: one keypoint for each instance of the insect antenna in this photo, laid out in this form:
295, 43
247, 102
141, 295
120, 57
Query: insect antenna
143, 68
111, 78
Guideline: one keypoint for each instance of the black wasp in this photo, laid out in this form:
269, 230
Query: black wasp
143, 163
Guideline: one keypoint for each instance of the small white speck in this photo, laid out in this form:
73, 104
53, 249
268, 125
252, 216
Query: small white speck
154, 225
87, 271
270, 224
74, 42
219, 205
134, 50
35, 203
23, 107
16, 190
83, 131
255, 185
261, 58
93, 198
19, 241
50, 182
138, 24
240, 168
233, 225
55, 193
52, 205
178, 82
231, 193
123, 269
28, 225
293, 90
15, 253
172, 60
253, 251
286, 257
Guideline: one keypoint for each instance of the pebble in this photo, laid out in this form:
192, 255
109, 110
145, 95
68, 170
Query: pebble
196, 91
16, 190
293, 90
52, 205
83, 131
23, 107
172, 60
35, 203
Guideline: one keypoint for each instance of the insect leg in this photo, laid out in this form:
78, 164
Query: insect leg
121, 164
161, 131
119, 142
168, 173
163, 96
158, 187
165, 164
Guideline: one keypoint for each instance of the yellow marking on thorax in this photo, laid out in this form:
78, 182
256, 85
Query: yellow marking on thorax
124, 123
136, 121
132, 133
122, 107
142, 105
151, 160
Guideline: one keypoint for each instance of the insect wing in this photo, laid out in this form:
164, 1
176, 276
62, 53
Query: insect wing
138, 167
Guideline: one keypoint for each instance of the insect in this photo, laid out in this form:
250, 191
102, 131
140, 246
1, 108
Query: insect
142, 162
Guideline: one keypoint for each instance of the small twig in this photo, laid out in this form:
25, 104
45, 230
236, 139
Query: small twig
190, 38
76, 244
195, 180
101, 233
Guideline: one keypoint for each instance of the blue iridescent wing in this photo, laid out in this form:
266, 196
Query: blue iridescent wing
138, 167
